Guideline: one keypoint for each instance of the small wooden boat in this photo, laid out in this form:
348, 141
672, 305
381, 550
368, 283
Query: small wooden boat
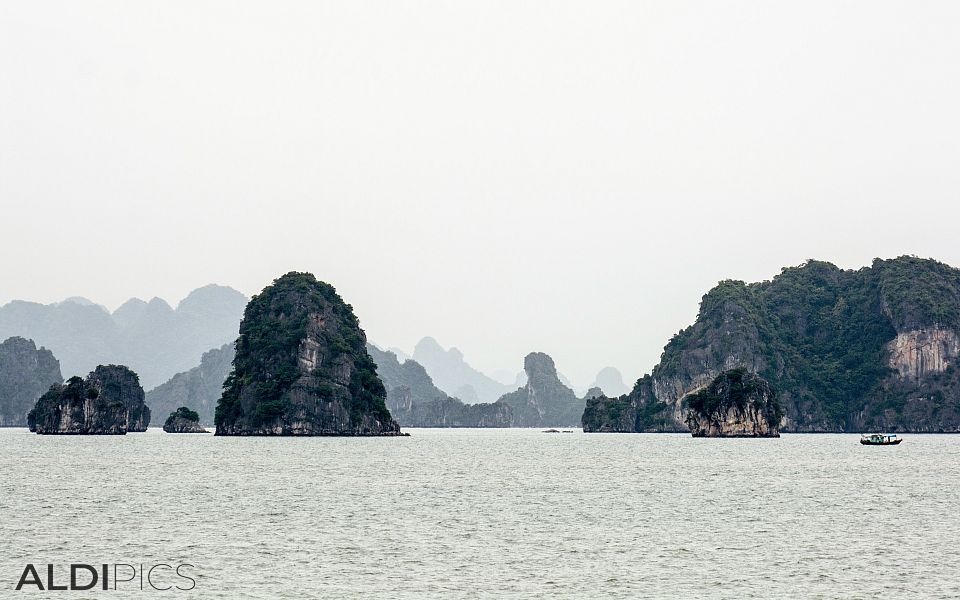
880, 439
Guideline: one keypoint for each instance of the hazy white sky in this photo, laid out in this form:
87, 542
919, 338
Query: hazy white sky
568, 177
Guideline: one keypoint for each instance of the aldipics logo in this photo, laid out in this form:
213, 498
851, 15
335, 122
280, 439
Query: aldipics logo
161, 577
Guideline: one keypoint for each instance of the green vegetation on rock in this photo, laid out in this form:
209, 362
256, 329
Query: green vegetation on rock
825, 337
736, 403
301, 367
108, 401
183, 413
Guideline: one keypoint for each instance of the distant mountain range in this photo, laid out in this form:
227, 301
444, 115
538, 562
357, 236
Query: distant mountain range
456, 377
198, 389
413, 399
451, 373
152, 338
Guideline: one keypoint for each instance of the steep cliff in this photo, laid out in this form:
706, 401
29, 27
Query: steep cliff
735, 404
302, 368
108, 402
414, 401
846, 350
25, 374
120, 383
200, 387
544, 401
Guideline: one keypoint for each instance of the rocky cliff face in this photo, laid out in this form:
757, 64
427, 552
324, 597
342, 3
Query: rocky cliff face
634, 412
117, 382
450, 412
925, 352
200, 387
25, 374
107, 402
301, 367
415, 402
874, 348
735, 404
544, 401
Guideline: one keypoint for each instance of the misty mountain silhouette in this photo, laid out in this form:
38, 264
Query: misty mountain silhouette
452, 374
610, 380
152, 338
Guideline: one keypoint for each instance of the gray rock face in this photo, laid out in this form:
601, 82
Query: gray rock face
735, 404
415, 402
119, 382
181, 425
108, 402
200, 387
302, 368
25, 374
638, 411
544, 401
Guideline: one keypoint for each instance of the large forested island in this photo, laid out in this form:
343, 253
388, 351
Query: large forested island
302, 368
846, 350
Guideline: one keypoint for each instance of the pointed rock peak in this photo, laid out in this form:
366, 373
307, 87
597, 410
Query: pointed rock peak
610, 380
212, 298
82, 301
428, 344
18, 343
132, 308
538, 365
157, 303
131, 304
594, 392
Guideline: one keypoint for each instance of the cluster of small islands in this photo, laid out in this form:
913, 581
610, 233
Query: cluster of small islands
815, 349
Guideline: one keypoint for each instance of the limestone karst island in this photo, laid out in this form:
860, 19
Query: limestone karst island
815, 349
302, 368
845, 351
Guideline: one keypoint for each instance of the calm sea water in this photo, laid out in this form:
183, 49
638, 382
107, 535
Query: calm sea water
490, 513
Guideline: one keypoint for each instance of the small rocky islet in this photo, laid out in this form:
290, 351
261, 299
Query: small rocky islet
183, 420
108, 402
